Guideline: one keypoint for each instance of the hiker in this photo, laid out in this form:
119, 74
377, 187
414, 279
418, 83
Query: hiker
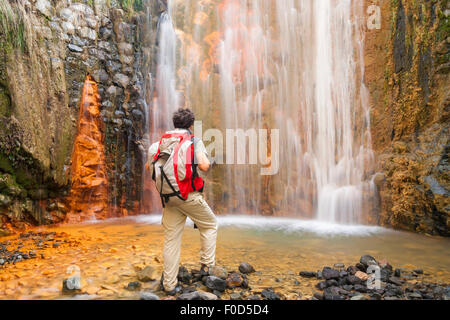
174, 163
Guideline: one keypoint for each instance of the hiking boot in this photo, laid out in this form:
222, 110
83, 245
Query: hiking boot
174, 291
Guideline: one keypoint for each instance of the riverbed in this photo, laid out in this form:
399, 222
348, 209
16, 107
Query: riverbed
107, 254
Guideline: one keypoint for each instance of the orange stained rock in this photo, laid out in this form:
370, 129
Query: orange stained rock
89, 188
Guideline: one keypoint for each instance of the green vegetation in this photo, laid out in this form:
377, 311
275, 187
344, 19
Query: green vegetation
132, 5
12, 26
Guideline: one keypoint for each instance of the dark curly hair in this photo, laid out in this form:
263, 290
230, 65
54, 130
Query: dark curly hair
183, 118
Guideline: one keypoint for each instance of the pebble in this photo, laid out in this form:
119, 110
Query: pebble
145, 295
133, 286
246, 268
270, 295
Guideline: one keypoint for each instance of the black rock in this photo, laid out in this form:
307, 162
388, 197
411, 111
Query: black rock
133, 286
197, 295
361, 267
360, 288
332, 283
376, 296
215, 283
217, 293
342, 281
352, 270
332, 293
368, 261
415, 296
321, 285
270, 295
353, 280
318, 296
184, 275
418, 271
329, 273
396, 281
246, 268
306, 274
245, 284
146, 295
343, 274
347, 287
385, 274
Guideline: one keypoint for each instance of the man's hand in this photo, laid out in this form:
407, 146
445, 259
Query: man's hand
203, 162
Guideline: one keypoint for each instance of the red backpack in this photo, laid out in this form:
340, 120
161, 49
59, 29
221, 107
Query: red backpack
174, 169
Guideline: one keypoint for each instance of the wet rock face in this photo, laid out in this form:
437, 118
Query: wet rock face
408, 86
40, 92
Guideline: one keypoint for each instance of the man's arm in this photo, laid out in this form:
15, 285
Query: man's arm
203, 161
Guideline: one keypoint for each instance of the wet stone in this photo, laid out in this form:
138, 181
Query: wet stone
215, 283
216, 271
184, 275
306, 274
353, 280
235, 296
329, 273
368, 261
270, 295
246, 268
234, 280
133, 286
145, 295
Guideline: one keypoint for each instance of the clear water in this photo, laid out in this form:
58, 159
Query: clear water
108, 253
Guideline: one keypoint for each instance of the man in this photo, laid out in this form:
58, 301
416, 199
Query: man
181, 195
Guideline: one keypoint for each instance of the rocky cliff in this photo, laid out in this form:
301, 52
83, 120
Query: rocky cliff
407, 63
47, 49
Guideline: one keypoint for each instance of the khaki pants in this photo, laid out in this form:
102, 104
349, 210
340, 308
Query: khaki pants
173, 220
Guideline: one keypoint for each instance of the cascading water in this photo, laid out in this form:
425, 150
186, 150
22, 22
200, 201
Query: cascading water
293, 65
166, 101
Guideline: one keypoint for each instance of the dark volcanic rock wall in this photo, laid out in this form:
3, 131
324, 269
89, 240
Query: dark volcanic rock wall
407, 72
47, 48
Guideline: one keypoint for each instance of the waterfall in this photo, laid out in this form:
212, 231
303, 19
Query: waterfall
292, 65
167, 99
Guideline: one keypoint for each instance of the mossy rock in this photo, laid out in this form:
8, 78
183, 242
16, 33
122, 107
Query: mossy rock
9, 186
5, 102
